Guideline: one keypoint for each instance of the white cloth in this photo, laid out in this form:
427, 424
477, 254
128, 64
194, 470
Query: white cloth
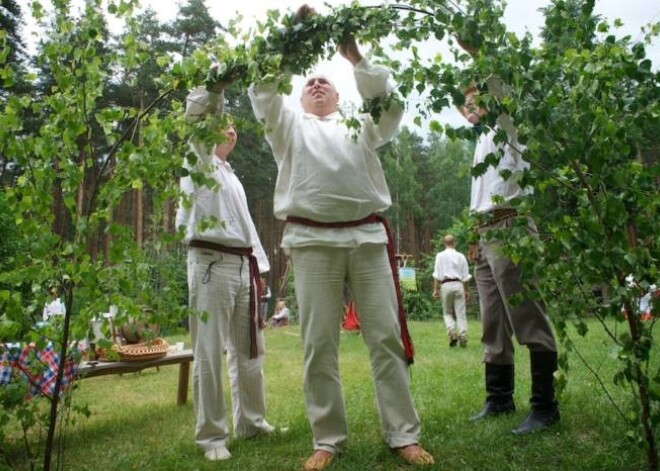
367, 272
227, 203
451, 264
325, 173
219, 285
283, 314
491, 183
54, 308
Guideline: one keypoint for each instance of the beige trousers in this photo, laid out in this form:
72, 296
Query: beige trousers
219, 288
452, 294
498, 281
320, 275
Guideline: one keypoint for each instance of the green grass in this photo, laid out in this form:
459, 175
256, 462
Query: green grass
136, 424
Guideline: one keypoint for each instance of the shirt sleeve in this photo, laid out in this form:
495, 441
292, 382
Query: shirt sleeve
199, 103
372, 82
268, 107
258, 250
436, 275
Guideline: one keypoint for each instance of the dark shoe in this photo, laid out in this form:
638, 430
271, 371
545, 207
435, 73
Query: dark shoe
462, 343
453, 342
544, 410
493, 409
499, 391
536, 421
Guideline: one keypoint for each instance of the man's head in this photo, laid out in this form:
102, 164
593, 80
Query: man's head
224, 148
470, 110
449, 240
319, 96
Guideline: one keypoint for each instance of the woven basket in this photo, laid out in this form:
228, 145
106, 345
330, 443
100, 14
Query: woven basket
157, 348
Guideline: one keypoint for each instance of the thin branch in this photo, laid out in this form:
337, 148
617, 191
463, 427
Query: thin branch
600, 382
123, 137
590, 191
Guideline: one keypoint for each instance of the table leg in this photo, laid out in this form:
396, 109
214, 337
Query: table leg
182, 392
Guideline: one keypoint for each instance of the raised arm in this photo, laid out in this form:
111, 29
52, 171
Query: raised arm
349, 50
373, 82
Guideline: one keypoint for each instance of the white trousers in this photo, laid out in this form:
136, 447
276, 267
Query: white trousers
219, 288
320, 275
452, 294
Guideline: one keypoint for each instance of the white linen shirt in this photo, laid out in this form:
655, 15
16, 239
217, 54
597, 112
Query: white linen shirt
491, 183
324, 173
227, 203
451, 264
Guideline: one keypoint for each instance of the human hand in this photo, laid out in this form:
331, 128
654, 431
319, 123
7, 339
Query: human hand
304, 12
349, 50
214, 83
472, 50
434, 295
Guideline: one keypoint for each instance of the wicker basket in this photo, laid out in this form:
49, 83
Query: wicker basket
157, 348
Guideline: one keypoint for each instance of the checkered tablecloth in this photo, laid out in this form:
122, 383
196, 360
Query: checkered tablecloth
37, 367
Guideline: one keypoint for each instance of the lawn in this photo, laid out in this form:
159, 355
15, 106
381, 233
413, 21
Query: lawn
135, 423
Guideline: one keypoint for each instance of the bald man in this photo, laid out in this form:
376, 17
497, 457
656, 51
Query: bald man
450, 282
329, 188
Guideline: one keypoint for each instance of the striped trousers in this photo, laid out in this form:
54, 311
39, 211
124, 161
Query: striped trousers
320, 276
219, 289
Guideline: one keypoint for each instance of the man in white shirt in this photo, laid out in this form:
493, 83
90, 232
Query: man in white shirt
225, 258
498, 279
450, 282
330, 186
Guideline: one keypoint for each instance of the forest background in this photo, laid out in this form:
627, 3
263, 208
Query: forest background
428, 175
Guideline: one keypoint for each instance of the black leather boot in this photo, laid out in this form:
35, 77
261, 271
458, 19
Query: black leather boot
499, 392
544, 411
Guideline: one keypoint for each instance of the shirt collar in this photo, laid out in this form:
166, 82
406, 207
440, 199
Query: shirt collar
222, 164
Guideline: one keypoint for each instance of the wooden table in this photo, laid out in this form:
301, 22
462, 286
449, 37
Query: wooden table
103, 368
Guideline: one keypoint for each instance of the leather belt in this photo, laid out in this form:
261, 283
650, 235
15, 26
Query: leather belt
497, 215
257, 321
447, 280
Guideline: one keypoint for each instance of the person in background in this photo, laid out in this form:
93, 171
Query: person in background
264, 300
281, 316
329, 189
224, 262
499, 279
451, 283
55, 307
